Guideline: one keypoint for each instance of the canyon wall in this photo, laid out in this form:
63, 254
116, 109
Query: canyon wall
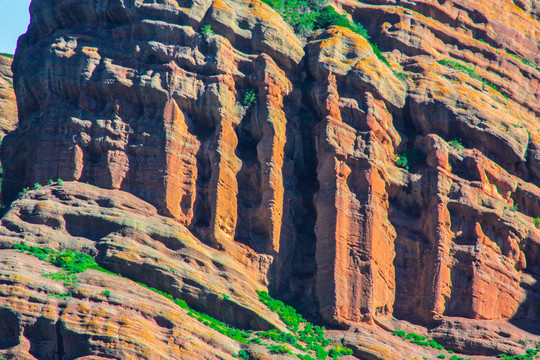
356, 185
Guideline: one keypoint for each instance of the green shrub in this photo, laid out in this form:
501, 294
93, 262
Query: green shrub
418, 339
207, 31
410, 158
339, 350
536, 222
328, 16
50, 182
441, 356
242, 354
106, 293
9, 56
37, 186
456, 144
250, 97
279, 349
402, 161
304, 357
66, 278
64, 296
60, 182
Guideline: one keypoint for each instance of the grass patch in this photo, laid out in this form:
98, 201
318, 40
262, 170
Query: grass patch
72, 262
418, 339
9, 56
472, 73
63, 296
523, 60
286, 313
530, 354
68, 279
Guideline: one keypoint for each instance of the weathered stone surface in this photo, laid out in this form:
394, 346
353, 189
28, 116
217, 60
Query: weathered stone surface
302, 188
8, 104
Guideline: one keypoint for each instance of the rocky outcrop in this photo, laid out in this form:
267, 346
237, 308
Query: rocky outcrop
356, 184
128, 238
8, 104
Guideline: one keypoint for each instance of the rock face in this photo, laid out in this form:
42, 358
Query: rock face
126, 236
355, 188
8, 104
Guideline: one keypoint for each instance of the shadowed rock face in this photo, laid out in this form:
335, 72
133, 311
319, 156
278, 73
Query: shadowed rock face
304, 186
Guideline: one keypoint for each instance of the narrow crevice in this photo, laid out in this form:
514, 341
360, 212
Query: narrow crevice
60, 350
250, 227
202, 211
297, 258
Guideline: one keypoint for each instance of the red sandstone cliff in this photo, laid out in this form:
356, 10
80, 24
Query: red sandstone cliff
302, 191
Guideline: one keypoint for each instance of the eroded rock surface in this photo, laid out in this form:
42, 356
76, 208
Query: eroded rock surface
8, 104
354, 188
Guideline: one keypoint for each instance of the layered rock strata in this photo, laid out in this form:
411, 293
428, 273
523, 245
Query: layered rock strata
355, 188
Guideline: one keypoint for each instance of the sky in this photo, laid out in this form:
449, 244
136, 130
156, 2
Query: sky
14, 20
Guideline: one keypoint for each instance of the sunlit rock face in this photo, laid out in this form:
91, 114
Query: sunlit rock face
356, 188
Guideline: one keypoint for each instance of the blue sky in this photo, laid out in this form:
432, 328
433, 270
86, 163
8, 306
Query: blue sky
14, 20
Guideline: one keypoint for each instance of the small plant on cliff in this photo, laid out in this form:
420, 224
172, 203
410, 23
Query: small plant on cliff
250, 97
37, 186
66, 278
60, 182
279, 349
242, 354
64, 296
536, 222
304, 357
339, 350
402, 161
207, 32
456, 144
418, 339
411, 157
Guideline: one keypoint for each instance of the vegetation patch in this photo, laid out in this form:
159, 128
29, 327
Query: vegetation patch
9, 56
68, 279
418, 339
472, 73
530, 354
303, 335
456, 144
250, 97
410, 158
206, 31
72, 262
